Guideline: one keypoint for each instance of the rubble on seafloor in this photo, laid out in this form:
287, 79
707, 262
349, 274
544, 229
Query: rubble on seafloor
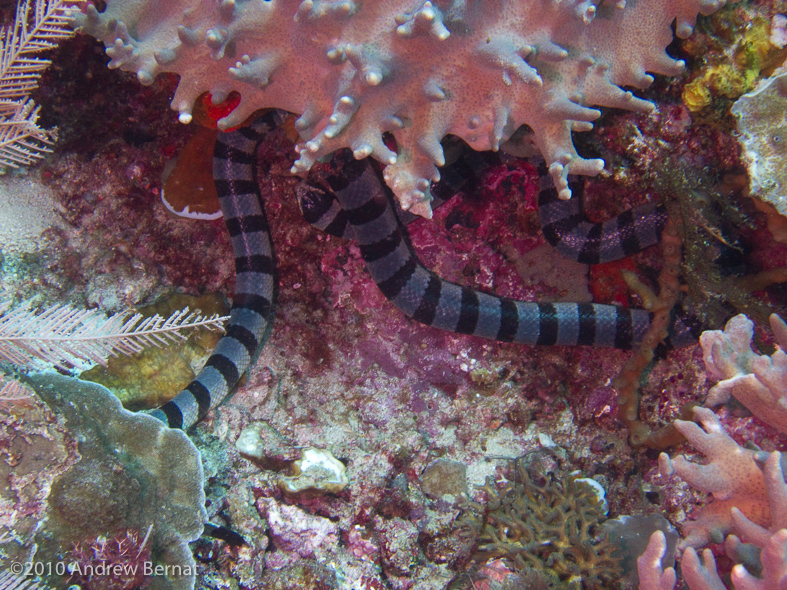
414, 420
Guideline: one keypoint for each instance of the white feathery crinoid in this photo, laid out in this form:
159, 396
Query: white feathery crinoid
63, 335
39, 25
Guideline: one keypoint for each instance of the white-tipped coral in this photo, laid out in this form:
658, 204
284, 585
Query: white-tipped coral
354, 71
759, 382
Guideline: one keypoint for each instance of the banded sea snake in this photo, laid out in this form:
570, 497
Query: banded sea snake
361, 209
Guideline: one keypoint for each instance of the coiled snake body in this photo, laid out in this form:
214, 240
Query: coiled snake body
361, 209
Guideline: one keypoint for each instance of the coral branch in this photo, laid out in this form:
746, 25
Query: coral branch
759, 382
661, 305
651, 576
700, 574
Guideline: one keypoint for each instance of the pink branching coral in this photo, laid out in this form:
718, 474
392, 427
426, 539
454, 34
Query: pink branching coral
732, 476
651, 574
701, 574
748, 487
759, 382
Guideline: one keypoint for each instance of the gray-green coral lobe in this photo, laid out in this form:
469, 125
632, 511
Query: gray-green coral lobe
134, 472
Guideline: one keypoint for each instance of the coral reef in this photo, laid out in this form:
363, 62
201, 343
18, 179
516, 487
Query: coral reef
342, 370
260, 443
632, 533
124, 478
313, 471
661, 306
35, 450
652, 575
759, 382
548, 526
747, 484
419, 70
27, 209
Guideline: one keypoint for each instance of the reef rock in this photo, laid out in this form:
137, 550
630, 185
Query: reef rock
763, 129
317, 471
419, 70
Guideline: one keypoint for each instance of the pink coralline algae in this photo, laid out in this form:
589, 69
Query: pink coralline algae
418, 70
297, 532
361, 545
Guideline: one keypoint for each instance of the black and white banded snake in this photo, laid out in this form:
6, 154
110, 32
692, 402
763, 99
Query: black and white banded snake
360, 208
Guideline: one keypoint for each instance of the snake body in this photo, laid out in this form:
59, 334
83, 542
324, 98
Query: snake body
251, 316
359, 207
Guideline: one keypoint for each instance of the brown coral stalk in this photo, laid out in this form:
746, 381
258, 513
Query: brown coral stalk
627, 382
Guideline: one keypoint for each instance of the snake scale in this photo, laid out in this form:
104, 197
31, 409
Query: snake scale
360, 208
